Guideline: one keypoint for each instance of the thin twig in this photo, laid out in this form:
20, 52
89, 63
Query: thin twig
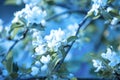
66, 12
15, 42
70, 46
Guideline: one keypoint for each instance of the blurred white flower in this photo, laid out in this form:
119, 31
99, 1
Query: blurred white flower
94, 9
41, 49
71, 30
37, 37
35, 15
38, 64
96, 5
45, 59
97, 64
44, 70
43, 22
100, 2
32, 14
112, 57
55, 39
114, 21
35, 70
109, 9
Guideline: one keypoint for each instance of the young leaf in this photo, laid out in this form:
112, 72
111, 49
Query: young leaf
9, 64
54, 62
10, 2
14, 75
71, 38
18, 24
17, 33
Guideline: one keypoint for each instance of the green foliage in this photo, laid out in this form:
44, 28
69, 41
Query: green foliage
10, 2
9, 63
71, 38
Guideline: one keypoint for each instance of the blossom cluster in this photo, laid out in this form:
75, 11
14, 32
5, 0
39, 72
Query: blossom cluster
109, 62
97, 4
47, 48
31, 14
54, 40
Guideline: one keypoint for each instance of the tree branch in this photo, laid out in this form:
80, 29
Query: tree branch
15, 42
66, 12
70, 46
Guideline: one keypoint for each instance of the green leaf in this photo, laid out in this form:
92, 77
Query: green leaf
51, 2
15, 67
96, 17
74, 78
10, 2
14, 75
55, 61
71, 38
18, 24
9, 62
24, 70
110, 1
17, 33
62, 51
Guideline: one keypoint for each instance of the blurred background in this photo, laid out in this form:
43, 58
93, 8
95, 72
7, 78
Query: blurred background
94, 39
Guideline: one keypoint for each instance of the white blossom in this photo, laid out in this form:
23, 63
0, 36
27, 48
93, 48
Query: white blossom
35, 70
32, 14
38, 64
37, 37
55, 39
96, 5
100, 2
114, 21
109, 9
71, 30
41, 49
97, 64
44, 70
45, 59
35, 15
112, 57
